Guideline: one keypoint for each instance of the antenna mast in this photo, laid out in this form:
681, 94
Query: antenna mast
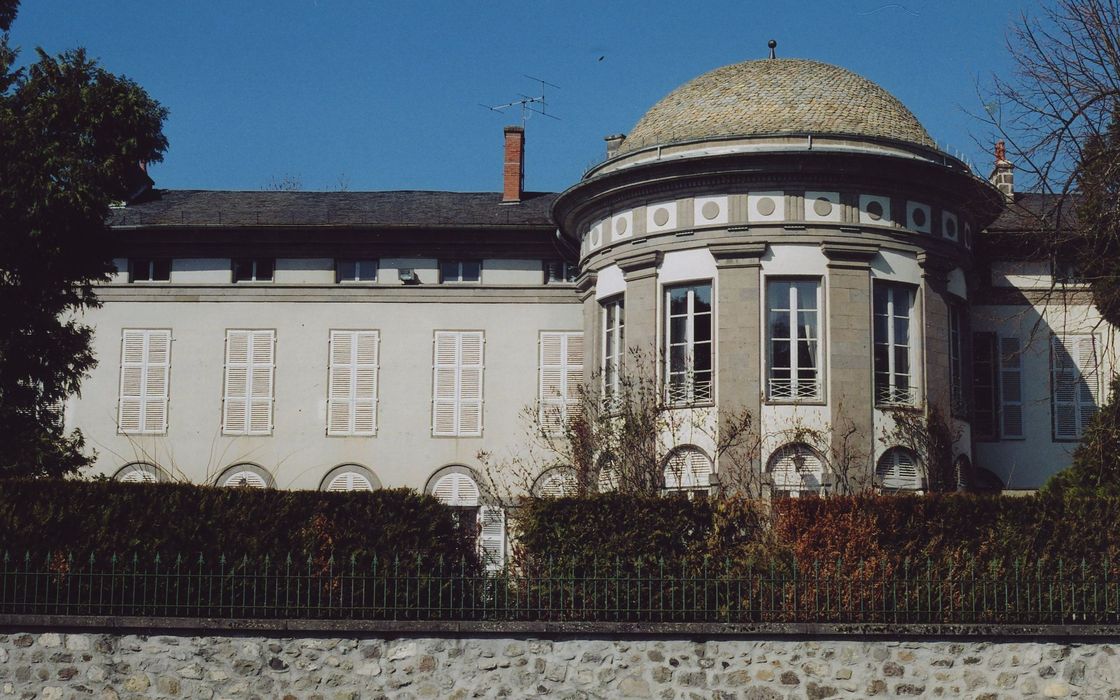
529, 104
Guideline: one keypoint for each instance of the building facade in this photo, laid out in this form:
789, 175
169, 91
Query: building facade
779, 237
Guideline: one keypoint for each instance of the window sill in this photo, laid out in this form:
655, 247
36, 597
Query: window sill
913, 406
816, 401
689, 404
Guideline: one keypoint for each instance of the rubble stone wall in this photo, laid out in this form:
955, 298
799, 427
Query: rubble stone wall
55, 665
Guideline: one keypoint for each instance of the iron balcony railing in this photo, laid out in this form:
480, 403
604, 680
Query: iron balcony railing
422, 588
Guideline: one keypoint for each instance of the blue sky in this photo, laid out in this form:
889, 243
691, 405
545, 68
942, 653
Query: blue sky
378, 95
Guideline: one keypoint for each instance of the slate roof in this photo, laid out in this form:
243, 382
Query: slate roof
776, 96
1027, 209
408, 208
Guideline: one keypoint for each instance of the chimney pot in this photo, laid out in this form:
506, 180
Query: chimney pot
614, 142
513, 168
1003, 176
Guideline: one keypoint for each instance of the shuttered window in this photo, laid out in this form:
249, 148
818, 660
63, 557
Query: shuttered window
561, 375
1074, 384
560, 482
796, 470
688, 468
492, 537
349, 481
985, 384
352, 390
250, 366
456, 489
457, 384
145, 369
245, 479
898, 471
1011, 389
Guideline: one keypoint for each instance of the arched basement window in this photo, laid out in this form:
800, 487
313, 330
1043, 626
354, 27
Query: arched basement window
688, 469
898, 470
795, 470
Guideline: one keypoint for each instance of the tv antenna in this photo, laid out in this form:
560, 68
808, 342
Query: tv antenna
529, 104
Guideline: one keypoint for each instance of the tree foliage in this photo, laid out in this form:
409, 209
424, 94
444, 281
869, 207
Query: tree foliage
72, 138
1058, 115
1096, 461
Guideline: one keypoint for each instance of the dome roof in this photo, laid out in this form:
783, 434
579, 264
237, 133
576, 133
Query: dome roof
776, 96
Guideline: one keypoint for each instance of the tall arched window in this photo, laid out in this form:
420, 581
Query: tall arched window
795, 470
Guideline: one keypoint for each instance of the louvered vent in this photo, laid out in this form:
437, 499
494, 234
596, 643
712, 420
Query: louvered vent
557, 483
796, 469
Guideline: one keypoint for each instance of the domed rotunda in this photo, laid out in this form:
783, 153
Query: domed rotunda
783, 237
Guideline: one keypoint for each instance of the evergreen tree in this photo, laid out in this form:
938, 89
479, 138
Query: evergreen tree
72, 136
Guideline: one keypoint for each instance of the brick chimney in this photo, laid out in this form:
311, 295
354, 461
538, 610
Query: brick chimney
513, 168
1003, 177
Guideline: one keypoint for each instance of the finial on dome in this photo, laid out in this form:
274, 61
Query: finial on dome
773, 45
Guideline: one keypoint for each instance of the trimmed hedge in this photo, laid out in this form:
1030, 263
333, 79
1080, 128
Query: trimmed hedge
171, 519
879, 531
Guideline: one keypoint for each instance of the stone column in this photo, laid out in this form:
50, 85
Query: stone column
851, 377
934, 322
640, 272
738, 349
592, 328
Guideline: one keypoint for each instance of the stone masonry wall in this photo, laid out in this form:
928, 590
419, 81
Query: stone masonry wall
53, 666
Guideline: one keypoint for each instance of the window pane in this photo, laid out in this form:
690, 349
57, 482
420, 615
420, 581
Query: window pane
880, 329
472, 271
346, 269
806, 324
702, 356
902, 331
677, 329
882, 358
264, 269
703, 302
779, 295
242, 269
807, 295
702, 329
449, 271
678, 358
678, 301
780, 354
806, 354
902, 360
367, 270
779, 324
161, 270
880, 294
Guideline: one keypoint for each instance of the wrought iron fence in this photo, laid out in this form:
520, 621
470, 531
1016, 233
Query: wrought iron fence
417, 587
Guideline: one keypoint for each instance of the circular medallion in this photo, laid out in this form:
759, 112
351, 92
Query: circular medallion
822, 207
620, 226
875, 210
766, 206
918, 217
661, 216
710, 210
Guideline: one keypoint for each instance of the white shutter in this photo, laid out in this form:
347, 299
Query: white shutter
561, 374
898, 471
557, 483
457, 384
1063, 389
245, 479
688, 468
492, 537
1088, 384
352, 391
1011, 388
139, 476
470, 384
787, 475
456, 489
349, 481
247, 407
145, 366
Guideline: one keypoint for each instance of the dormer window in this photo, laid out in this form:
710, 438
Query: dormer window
149, 270
350, 271
559, 272
460, 271
253, 269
